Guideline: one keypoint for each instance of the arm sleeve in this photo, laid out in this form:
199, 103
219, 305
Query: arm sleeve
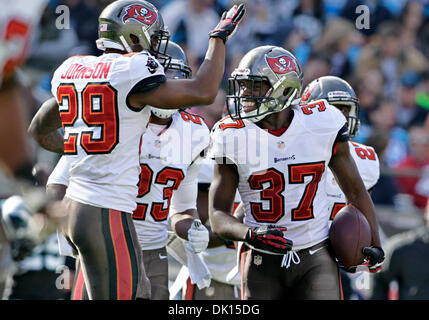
343, 134
185, 197
148, 84
61, 172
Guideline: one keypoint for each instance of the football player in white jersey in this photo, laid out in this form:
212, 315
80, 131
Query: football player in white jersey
342, 96
170, 154
100, 103
170, 160
276, 153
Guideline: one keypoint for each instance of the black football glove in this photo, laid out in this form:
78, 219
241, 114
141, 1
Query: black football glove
228, 23
373, 261
268, 239
374, 258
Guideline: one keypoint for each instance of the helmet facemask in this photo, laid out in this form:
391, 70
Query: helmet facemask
353, 121
277, 98
177, 68
271, 65
159, 45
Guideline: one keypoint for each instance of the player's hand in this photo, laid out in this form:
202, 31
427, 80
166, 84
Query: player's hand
268, 239
228, 23
198, 237
374, 258
373, 261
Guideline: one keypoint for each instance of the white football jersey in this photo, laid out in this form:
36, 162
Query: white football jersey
219, 260
368, 165
101, 130
282, 178
170, 161
18, 19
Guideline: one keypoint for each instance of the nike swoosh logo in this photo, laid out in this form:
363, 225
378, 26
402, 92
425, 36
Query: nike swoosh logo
162, 257
311, 252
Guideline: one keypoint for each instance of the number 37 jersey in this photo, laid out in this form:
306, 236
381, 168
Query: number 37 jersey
282, 176
101, 130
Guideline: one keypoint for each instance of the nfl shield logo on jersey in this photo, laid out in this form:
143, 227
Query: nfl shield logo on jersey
257, 260
280, 145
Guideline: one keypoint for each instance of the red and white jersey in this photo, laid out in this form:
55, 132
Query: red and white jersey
368, 165
101, 130
18, 19
219, 260
170, 161
282, 179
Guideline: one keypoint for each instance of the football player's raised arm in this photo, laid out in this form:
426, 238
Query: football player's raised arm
44, 127
221, 199
350, 181
200, 90
203, 88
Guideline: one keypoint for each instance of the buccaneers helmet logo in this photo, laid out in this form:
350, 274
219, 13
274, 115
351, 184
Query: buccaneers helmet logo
282, 64
139, 13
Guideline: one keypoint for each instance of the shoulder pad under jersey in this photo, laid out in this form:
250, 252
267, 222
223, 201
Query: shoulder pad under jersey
320, 117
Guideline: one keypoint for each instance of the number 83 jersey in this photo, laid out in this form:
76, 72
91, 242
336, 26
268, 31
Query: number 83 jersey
101, 130
282, 175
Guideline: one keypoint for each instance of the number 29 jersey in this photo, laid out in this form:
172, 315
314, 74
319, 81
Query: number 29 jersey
282, 177
101, 130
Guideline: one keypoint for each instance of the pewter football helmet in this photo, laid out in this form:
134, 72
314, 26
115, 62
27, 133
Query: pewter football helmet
337, 92
178, 68
266, 64
122, 19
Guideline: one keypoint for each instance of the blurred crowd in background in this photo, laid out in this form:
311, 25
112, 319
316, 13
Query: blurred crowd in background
387, 64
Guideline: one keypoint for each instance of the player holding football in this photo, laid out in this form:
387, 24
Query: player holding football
101, 103
276, 153
342, 96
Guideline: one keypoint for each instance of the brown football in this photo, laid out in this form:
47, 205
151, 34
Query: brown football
349, 234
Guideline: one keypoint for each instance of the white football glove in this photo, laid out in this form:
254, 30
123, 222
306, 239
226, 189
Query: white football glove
198, 237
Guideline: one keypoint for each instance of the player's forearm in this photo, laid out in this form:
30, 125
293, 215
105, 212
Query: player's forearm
227, 227
210, 73
52, 141
44, 127
363, 202
182, 221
